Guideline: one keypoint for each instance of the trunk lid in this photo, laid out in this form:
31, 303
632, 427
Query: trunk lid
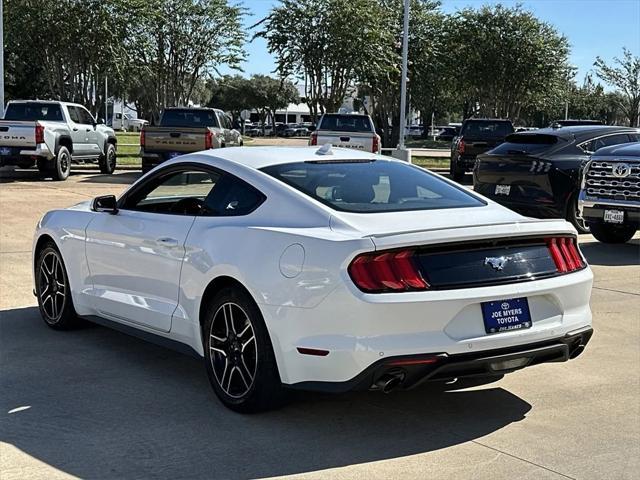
355, 140
17, 134
172, 139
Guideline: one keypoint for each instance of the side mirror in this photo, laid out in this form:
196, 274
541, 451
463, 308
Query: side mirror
105, 203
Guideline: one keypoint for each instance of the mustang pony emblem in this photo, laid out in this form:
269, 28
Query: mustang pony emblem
497, 263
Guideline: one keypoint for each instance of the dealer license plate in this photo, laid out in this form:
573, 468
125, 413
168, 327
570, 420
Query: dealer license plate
173, 154
5, 151
503, 189
504, 315
614, 216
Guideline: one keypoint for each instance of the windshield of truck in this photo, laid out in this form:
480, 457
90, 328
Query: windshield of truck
32, 111
499, 129
189, 118
346, 123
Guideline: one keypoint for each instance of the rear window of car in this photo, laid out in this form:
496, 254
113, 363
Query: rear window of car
34, 111
524, 143
346, 123
372, 186
189, 118
487, 129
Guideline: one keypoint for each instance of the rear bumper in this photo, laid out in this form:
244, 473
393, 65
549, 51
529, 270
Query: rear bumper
18, 155
443, 367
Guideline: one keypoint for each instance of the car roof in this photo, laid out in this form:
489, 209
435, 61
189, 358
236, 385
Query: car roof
260, 157
579, 131
624, 149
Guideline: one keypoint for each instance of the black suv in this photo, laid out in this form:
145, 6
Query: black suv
538, 173
477, 135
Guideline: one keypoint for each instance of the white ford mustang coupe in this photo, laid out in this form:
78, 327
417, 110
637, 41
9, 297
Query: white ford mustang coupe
323, 269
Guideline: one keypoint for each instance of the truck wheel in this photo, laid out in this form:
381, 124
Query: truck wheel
573, 215
612, 233
62, 164
456, 173
107, 161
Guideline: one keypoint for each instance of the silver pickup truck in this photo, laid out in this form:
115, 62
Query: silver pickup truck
52, 135
609, 198
346, 131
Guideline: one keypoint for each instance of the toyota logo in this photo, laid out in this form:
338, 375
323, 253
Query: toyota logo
621, 170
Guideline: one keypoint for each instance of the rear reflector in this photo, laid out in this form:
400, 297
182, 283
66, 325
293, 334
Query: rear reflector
413, 361
387, 272
565, 254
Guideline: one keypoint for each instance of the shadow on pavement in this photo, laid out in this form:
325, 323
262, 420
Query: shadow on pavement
616, 255
105, 405
124, 178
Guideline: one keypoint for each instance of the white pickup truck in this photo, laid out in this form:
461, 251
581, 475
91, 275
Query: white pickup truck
52, 135
347, 131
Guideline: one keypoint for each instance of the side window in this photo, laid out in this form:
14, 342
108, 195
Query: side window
73, 114
233, 197
227, 120
184, 192
597, 143
85, 116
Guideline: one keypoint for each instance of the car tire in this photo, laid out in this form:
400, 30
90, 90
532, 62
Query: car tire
107, 162
53, 291
612, 233
456, 173
573, 215
238, 354
62, 164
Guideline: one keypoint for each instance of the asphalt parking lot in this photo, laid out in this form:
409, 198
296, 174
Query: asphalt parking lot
95, 403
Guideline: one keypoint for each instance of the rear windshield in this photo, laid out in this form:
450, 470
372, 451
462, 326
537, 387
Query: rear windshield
487, 129
189, 118
372, 186
32, 111
346, 123
525, 144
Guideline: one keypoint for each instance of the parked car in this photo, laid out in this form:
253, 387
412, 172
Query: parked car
186, 130
347, 130
127, 123
414, 131
477, 135
296, 130
377, 275
52, 136
447, 134
538, 173
610, 193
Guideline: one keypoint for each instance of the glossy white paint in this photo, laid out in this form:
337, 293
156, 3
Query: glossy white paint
291, 254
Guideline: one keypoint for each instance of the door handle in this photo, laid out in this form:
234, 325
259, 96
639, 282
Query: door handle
75, 129
88, 129
167, 242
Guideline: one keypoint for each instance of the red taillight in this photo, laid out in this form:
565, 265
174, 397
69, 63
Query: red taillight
142, 138
393, 271
39, 133
208, 140
376, 144
565, 254
461, 146
313, 139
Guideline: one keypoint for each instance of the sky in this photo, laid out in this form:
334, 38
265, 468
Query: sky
593, 27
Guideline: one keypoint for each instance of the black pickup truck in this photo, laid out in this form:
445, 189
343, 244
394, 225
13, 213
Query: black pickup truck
477, 135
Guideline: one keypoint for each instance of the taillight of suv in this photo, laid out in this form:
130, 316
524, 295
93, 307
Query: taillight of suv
461, 146
313, 139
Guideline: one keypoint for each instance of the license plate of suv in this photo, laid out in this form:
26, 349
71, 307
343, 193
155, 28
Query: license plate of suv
5, 151
503, 189
505, 315
614, 216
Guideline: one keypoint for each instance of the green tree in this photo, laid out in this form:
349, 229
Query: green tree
626, 78
504, 59
324, 43
269, 94
233, 94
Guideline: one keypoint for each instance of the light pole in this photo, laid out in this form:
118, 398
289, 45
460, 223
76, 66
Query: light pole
403, 84
1, 60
